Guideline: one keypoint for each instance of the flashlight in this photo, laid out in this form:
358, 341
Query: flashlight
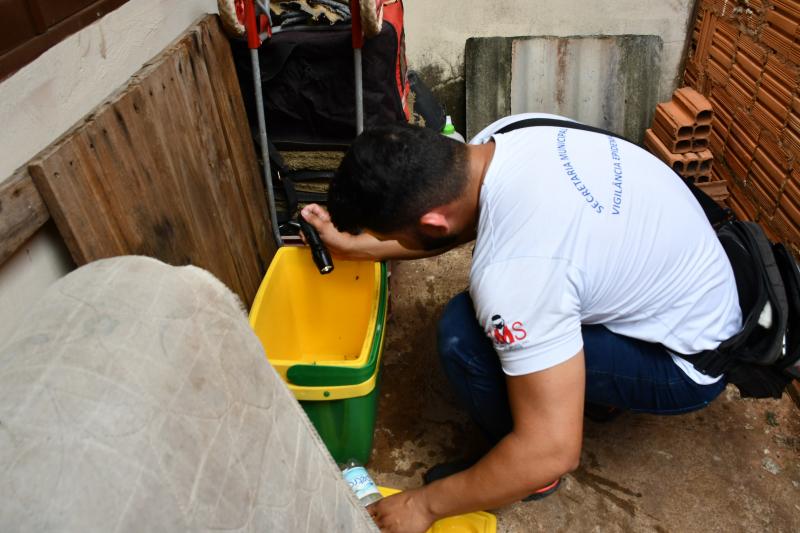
320, 254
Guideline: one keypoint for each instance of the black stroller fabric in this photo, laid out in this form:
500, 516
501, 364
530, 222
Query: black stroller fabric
308, 83
428, 111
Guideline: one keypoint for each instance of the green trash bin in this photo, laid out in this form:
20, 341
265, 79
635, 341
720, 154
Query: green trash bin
346, 424
338, 389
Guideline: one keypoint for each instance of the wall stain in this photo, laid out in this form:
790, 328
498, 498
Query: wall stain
593, 462
562, 71
103, 45
605, 486
449, 90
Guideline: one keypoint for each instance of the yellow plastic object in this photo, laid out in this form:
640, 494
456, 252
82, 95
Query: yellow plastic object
304, 317
337, 393
479, 522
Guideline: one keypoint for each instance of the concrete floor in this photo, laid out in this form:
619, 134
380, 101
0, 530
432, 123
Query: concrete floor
734, 466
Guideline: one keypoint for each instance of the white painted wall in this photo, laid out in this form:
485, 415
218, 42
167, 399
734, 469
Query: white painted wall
48, 96
437, 30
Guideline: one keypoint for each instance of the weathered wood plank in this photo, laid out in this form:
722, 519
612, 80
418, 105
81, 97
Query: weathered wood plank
166, 168
22, 212
794, 392
227, 189
229, 104
77, 199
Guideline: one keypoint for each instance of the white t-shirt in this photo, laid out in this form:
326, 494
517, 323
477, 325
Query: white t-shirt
582, 228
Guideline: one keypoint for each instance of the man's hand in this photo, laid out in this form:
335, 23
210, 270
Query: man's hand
338, 243
357, 247
406, 512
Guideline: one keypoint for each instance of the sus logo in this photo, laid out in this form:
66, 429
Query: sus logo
502, 334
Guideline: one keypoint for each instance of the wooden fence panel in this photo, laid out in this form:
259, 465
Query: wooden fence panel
166, 168
22, 212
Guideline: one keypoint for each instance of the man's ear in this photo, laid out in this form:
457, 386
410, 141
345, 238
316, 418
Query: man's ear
435, 222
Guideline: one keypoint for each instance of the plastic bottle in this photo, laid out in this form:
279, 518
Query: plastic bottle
360, 482
450, 131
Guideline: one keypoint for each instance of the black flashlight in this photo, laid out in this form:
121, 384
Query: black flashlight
320, 254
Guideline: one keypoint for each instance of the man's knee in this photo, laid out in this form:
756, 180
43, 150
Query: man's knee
454, 324
450, 346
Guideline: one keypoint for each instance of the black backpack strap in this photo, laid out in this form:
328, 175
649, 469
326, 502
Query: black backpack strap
555, 123
289, 190
791, 279
758, 381
288, 179
715, 214
767, 347
753, 358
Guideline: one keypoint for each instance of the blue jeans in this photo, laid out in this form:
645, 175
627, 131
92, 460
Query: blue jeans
620, 372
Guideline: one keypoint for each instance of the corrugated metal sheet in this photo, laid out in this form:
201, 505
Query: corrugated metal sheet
605, 81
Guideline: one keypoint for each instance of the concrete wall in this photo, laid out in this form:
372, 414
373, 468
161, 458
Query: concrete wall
45, 98
436, 32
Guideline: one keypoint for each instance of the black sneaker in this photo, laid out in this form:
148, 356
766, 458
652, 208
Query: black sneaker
443, 470
601, 413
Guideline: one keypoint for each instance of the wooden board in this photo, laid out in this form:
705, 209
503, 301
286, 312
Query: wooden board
794, 392
166, 168
22, 212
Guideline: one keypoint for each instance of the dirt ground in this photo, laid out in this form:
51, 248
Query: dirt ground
734, 466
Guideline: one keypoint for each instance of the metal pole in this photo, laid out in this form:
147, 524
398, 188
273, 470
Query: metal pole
359, 91
254, 42
262, 139
357, 38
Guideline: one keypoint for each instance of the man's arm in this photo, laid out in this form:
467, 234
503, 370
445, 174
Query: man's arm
363, 246
547, 409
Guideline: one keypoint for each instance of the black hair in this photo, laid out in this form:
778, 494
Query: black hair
392, 175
